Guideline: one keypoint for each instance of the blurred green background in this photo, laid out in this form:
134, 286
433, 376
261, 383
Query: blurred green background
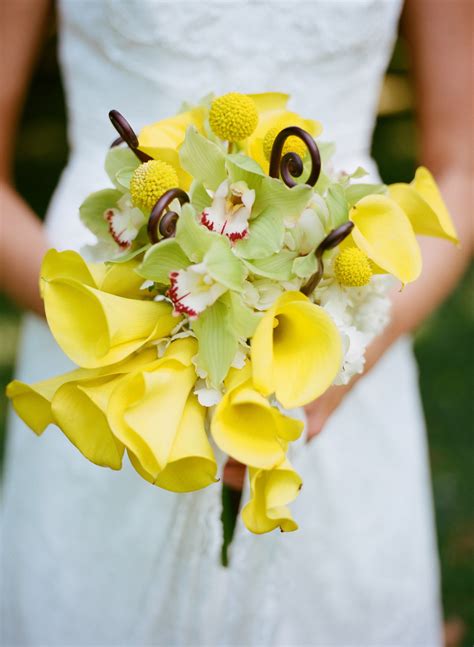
443, 344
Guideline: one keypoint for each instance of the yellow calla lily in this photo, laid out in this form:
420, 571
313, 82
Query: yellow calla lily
384, 233
154, 415
161, 140
76, 403
271, 491
422, 202
272, 113
248, 428
191, 464
296, 351
93, 327
116, 278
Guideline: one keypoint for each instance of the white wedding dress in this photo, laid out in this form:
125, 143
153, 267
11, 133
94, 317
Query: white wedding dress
93, 557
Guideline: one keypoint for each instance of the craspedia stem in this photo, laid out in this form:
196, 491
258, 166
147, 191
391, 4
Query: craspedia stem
291, 165
127, 135
333, 239
161, 222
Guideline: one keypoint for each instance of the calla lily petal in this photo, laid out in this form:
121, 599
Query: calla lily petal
79, 410
271, 491
422, 202
249, 429
95, 328
169, 133
146, 408
33, 402
384, 233
296, 351
191, 464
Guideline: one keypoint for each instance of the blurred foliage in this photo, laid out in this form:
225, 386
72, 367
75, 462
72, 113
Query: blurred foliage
443, 344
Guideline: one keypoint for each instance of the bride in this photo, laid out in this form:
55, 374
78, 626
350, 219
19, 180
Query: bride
94, 558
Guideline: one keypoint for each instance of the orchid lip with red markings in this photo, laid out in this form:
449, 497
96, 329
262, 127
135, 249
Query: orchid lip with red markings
192, 290
124, 222
230, 210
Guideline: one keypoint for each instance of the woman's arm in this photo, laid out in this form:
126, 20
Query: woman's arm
440, 39
22, 239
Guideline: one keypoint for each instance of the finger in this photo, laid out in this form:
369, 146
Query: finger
234, 474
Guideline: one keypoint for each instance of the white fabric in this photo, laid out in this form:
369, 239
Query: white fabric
93, 557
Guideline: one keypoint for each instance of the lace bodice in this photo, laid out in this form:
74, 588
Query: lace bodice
144, 57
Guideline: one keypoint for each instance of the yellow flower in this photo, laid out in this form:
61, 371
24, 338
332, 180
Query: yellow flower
233, 116
154, 414
271, 491
96, 328
383, 232
162, 139
76, 402
246, 427
423, 204
273, 116
296, 351
149, 182
352, 267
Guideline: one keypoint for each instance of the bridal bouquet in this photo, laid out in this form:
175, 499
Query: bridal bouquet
240, 276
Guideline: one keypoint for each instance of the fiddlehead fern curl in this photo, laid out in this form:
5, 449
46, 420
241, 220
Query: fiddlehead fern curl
164, 222
291, 165
127, 135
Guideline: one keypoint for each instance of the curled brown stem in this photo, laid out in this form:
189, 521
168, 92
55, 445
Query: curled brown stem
291, 165
127, 135
333, 239
164, 222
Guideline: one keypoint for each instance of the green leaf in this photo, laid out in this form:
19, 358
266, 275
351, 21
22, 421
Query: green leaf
161, 259
305, 266
91, 211
202, 159
224, 266
337, 204
277, 267
124, 258
356, 192
358, 173
117, 159
193, 238
243, 319
218, 341
200, 198
288, 203
244, 169
265, 237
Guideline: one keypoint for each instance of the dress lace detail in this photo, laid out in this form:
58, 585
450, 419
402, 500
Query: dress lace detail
93, 557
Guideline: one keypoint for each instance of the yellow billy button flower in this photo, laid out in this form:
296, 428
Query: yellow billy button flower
383, 232
154, 414
76, 402
246, 426
271, 491
233, 117
93, 327
296, 351
352, 268
422, 202
149, 181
